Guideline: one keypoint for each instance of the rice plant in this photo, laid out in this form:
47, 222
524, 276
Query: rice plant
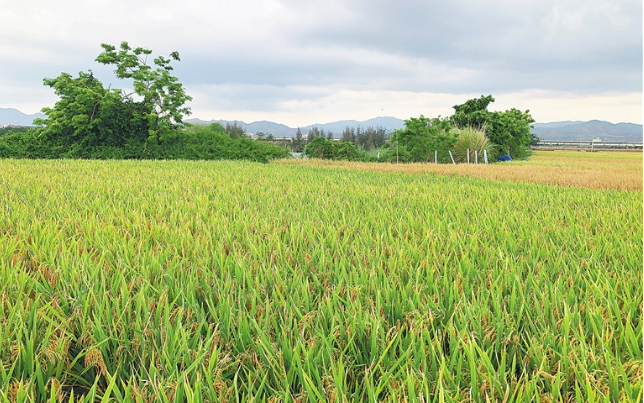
177, 281
607, 170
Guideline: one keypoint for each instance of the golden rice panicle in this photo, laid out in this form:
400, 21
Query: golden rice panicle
94, 358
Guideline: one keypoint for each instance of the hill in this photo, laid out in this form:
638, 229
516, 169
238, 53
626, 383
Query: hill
581, 131
281, 130
11, 116
565, 130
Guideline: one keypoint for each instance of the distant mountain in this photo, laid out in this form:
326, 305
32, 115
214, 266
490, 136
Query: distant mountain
10, 116
280, 130
566, 130
264, 126
555, 125
581, 131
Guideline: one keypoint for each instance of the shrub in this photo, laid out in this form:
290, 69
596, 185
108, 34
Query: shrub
472, 139
422, 137
191, 143
322, 148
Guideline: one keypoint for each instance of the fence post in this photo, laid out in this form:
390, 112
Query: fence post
476, 157
485, 156
435, 156
468, 155
450, 155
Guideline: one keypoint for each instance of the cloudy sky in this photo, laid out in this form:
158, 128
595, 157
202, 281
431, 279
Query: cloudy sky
300, 62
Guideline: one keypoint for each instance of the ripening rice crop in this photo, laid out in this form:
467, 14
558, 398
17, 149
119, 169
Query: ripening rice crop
156, 281
604, 170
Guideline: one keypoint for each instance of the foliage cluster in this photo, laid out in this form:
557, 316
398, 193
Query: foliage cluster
214, 142
421, 137
472, 141
89, 115
93, 122
509, 130
298, 142
179, 281
366, 139
13, 129
354, 144
316, 132
235, 130
191, 143
322, 148
429, 139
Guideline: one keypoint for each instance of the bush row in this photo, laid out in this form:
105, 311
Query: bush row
191, 143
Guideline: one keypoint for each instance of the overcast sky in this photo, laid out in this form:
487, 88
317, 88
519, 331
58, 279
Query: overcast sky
300, 62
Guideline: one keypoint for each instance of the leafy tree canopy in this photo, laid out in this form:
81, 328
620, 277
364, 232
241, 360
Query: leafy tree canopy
320, 147
510, 130
298, 142
235, 130
91, 121
88, 114
162, 94
422, 136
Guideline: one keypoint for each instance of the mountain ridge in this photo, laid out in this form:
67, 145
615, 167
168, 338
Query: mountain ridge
12, 116
281, 130
586, 131
563, 130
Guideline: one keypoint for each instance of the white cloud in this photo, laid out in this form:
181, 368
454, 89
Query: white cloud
305, 60
302, 106
551, 106
25, 97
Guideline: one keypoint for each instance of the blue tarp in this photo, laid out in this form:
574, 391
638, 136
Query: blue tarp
505, 158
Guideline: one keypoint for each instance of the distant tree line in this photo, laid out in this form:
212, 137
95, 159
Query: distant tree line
471, 129
13, 129
368, 139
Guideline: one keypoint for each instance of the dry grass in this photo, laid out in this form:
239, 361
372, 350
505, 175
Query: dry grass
614, 170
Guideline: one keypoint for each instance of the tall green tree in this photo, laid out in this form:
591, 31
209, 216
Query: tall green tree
163, 96
89, 117
91, 121
235, 130
349, 135
509, 130
422, 136
313, 133
298, 142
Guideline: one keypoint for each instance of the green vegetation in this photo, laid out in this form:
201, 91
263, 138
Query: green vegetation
93, 122
431, 139
89, 115
13, 129
421, 137
366, 139
180, 281
472, 141
211, 142
320, 147
509, 130
298, 142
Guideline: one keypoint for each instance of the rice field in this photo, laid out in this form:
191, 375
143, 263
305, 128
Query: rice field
599, 170
159, 281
